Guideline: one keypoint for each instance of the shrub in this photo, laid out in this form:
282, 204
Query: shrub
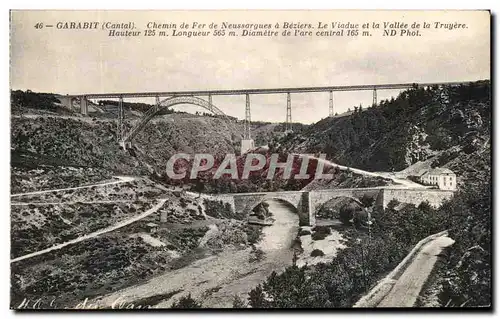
186, 303
367, 200
257, 255
238, 302
323, 229
304, 232
317, 253
318, 236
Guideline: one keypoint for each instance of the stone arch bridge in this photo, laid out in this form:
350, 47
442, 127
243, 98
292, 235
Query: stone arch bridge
307, 203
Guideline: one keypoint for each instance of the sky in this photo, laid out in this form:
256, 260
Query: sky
89, 61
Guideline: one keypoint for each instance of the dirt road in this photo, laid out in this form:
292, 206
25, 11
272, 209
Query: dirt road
403, 182
94, 234
121, 179
407, 288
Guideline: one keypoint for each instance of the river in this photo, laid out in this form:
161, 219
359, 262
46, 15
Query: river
215, 280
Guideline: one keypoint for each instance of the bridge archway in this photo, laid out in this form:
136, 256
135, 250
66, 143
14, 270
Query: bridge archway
172, 101
297, 201
341, 210
278, 208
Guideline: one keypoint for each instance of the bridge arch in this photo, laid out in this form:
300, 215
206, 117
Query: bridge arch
171, 101
331, 210
245, 203
273, 198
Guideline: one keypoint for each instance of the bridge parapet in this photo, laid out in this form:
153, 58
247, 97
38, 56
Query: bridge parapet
416, 196
307, 203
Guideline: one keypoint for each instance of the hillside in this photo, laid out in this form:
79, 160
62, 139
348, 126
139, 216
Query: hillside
446, 126
41, 144
184, 133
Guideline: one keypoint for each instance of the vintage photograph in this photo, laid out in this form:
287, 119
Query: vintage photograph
250, 159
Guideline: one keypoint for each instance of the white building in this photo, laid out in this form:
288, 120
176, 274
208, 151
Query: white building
441, 177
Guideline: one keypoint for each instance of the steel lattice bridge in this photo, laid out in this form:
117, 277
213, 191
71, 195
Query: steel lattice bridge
166, 99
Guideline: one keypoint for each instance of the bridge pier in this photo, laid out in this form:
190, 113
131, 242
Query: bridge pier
83, 105
375, 100
288, 122
247, 143
66, 101
157, 103
331, 114
120, 119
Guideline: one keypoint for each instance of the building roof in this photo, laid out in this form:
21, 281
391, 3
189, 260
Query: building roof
438, 171
151, 225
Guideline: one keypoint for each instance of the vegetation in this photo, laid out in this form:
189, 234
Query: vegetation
186, 303
257, 254
88, 269
466, 278
320, 232
238, 303
401, 131
356, 269
317, 253
219, 209
29, 99
36, 227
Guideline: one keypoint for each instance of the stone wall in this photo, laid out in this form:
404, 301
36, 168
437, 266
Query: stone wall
435, 197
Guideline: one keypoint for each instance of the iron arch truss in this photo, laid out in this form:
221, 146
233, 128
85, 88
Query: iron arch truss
171, 101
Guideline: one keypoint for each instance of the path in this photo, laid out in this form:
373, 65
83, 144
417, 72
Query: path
406, 183
94, 234
121, 179
407, 288
114, 201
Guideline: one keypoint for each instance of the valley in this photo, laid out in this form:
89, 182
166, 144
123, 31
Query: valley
92, 221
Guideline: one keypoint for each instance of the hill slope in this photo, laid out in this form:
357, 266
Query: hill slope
447, 126
85, 142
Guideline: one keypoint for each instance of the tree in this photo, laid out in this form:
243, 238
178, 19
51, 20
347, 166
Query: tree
186, 303
346, 212
238, 302
256, 297
367, 201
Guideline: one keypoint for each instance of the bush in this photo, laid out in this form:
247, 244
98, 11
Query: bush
367, 201
318, 236
257, 254
186, 303
323, 229
304, 232
320, 232
317, 253
253, 233
238, 302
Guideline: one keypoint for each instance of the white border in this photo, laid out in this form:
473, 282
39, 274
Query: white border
186, 4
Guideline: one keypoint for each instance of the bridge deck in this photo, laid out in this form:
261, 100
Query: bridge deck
267, 91
387, 188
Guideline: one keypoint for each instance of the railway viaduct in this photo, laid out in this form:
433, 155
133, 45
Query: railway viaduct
170, 98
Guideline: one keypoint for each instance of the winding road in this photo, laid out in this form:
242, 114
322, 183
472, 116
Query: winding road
121, 179
404, 182
94, 234
407, 287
